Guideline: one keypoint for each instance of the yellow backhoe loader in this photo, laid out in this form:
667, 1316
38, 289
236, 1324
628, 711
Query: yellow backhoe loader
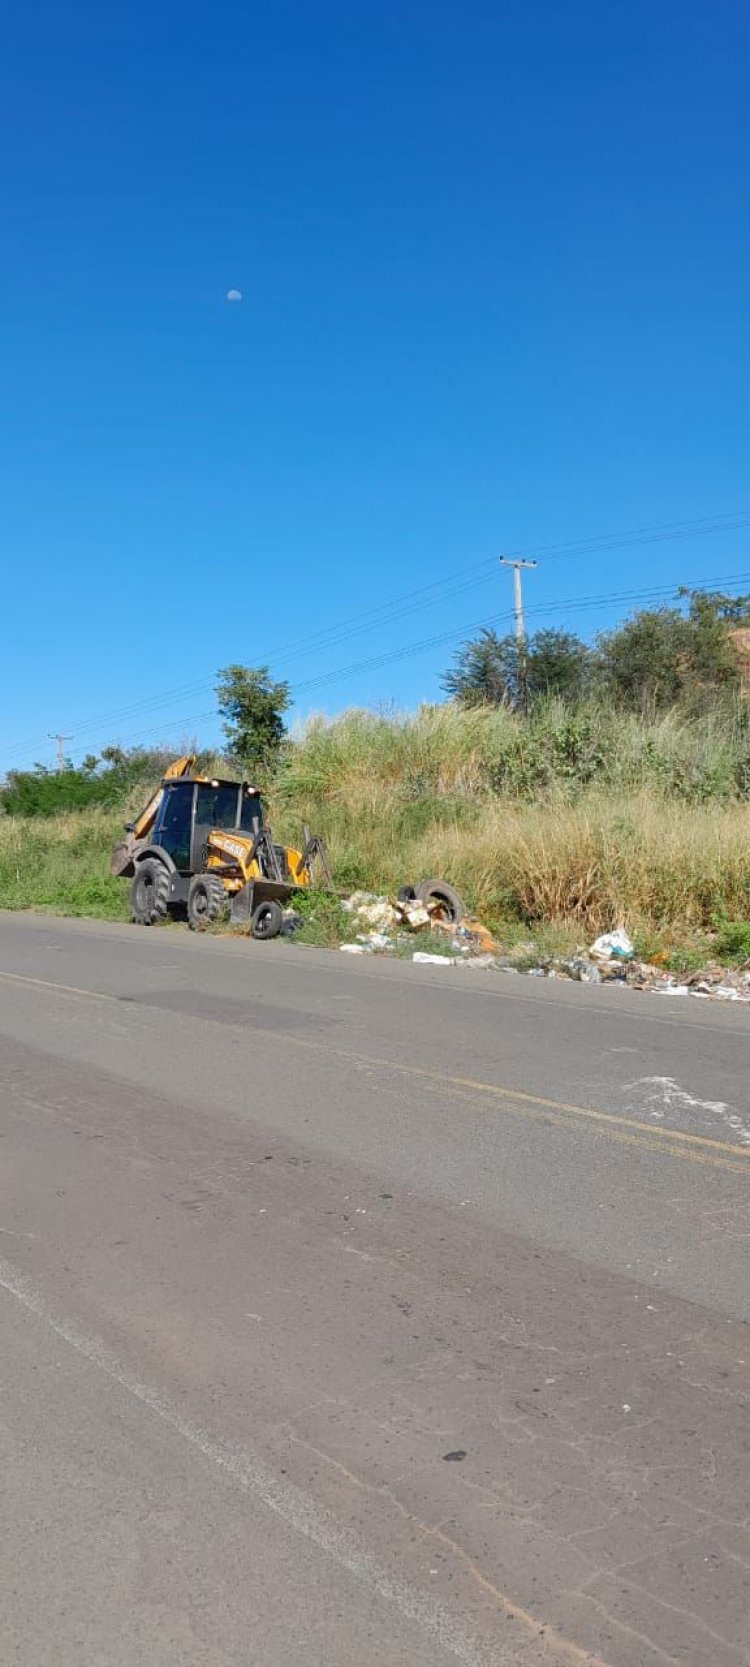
202, 846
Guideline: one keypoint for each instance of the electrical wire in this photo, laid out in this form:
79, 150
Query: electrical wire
559, 608
388, 613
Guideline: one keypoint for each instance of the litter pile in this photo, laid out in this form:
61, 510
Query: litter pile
611, 959
382, 925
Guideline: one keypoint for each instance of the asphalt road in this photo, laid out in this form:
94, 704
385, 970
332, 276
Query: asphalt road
356, 1312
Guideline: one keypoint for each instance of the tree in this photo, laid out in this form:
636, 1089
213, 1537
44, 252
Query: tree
557, 663
253, 708
666, 655
486, 670
42, 792
713, 660
642, 661
732, 610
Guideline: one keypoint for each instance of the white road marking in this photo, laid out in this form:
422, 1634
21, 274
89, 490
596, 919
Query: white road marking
665, 1094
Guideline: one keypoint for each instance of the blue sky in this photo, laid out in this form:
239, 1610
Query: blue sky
494, 266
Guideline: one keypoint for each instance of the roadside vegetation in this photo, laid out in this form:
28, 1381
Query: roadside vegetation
569, 820
572, 821
594, 804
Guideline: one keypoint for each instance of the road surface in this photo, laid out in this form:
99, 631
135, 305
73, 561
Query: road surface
358, 1312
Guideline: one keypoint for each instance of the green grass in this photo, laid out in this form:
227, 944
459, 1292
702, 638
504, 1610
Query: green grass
732, 941
324, 922
450, 755
62, 864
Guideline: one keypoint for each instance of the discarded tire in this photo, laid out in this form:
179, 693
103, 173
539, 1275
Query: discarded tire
452, 906
267, 920
149, 892
206, 901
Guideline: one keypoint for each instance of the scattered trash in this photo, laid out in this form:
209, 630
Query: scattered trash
415, 915
612, 946
456, 1457
358, 898
379, 914
713, 982
378, 940
476, 935
582, 970
385, 925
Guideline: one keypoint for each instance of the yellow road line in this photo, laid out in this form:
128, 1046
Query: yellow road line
61, 989
694, 1148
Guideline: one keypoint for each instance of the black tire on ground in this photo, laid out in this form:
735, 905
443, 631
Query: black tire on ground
267, 920
149, 892
206, 901
453, 907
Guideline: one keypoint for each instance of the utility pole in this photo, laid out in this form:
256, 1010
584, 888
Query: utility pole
506, 561
60, 739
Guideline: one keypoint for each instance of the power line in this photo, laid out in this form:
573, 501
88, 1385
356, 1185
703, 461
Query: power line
562, 606
558, 608
439, 590
657, 533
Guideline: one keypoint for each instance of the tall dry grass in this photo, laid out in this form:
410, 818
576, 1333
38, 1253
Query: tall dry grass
557, 752
588, 817
641, 861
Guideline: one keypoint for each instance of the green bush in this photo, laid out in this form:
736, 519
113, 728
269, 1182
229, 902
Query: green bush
103, 783
733, 940
324, 921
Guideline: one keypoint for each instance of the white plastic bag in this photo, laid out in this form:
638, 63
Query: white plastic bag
613, 946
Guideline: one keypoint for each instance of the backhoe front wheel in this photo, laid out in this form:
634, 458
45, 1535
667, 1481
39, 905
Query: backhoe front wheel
149, 892
207, 901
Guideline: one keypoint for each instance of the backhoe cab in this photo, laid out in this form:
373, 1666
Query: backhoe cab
203, 845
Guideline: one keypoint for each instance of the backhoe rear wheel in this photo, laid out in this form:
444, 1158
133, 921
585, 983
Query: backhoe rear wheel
207, 901
149, 892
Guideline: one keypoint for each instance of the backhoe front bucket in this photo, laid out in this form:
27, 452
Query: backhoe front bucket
246, 900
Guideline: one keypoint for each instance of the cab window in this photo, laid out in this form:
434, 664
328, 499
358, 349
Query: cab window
216, 804
251, 815
174, 824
